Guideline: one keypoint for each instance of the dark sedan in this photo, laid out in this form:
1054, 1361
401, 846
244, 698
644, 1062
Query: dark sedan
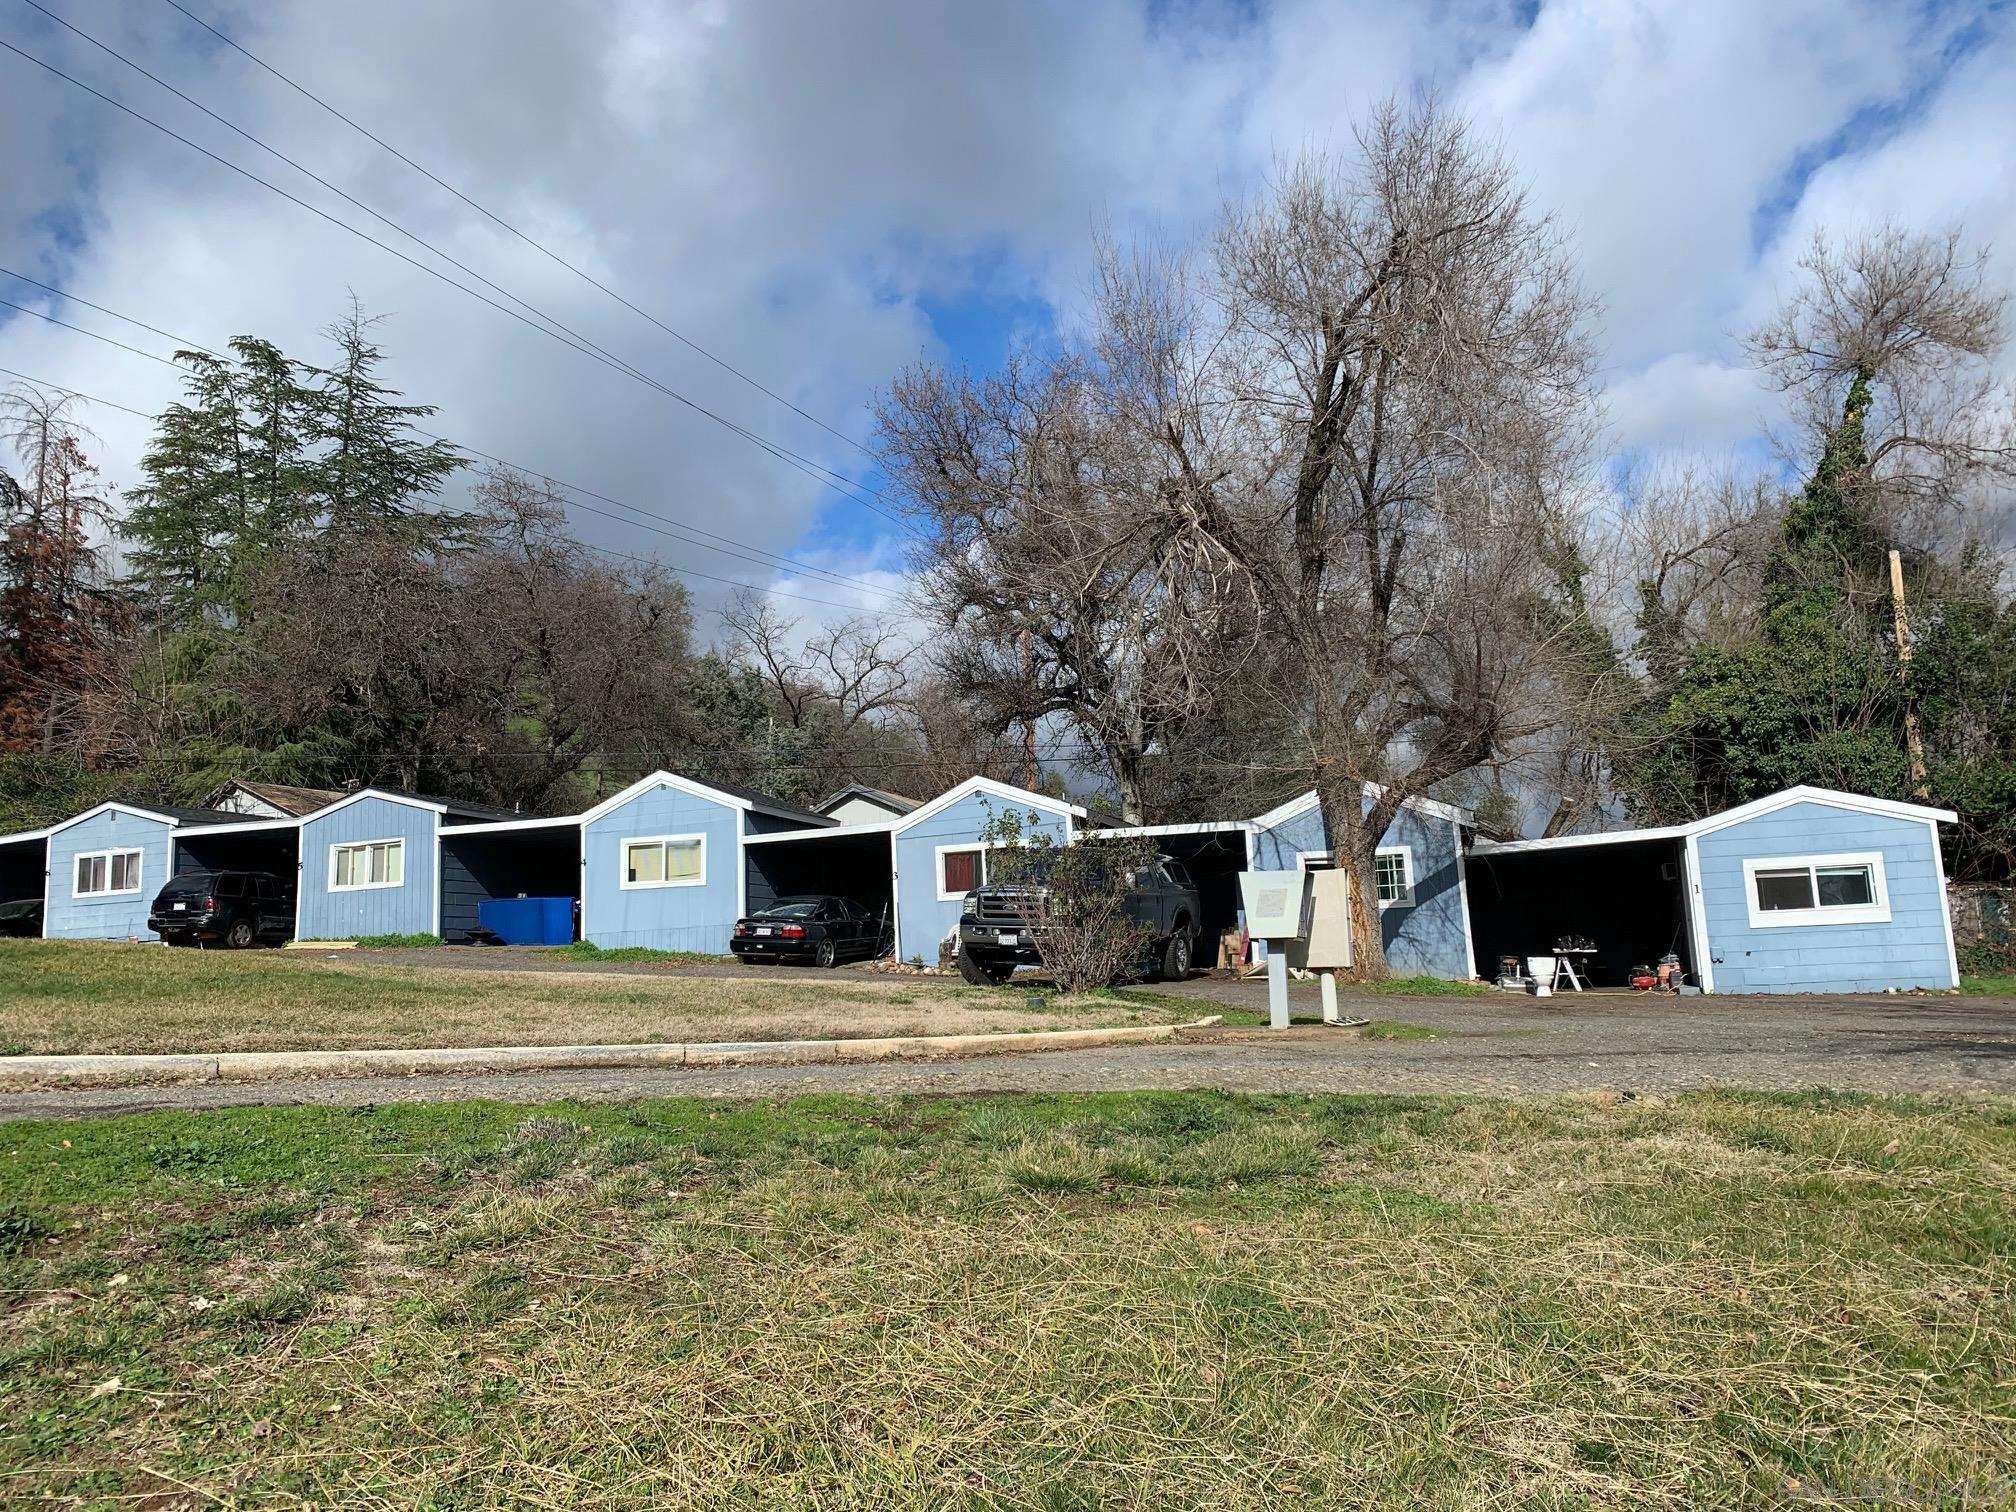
822, 930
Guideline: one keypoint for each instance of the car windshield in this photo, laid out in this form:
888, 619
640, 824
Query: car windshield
790, 908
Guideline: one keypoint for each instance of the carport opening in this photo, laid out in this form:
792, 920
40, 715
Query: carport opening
858, 867
1214, 862
21, 870
511, 863
276, 850
1629, 899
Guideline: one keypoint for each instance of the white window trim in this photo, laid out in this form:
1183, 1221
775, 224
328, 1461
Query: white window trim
109, 891
365, 845
1406, 855
1877, 912
938, 858
623, 861
1303, 859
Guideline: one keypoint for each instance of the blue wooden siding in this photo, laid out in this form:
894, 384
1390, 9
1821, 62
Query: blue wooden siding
406, 909
1430, 938
1909, 951
662, 918
124, 916
922, 919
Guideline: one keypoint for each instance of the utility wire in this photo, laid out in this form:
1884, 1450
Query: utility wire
776, 559
552, 328
496, 219
586, 545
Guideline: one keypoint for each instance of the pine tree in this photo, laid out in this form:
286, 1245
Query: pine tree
374, 473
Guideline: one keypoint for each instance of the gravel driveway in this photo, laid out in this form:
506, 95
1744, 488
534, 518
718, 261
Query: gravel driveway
1491, 1045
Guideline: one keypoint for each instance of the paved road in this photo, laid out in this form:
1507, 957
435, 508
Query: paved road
1494, 1045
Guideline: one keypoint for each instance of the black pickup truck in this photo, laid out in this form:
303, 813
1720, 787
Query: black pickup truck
994, 937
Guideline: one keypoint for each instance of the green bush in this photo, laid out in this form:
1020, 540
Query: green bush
396, 941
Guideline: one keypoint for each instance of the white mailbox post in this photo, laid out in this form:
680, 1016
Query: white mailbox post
1273, 902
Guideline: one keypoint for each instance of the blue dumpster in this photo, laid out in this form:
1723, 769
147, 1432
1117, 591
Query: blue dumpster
528, 921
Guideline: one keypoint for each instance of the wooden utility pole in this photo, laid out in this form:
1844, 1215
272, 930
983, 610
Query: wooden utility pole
1914, 743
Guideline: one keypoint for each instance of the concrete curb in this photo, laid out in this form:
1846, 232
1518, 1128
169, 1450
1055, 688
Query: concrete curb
20, 1072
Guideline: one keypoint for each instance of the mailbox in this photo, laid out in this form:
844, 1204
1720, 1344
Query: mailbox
1273, 903
1327, 940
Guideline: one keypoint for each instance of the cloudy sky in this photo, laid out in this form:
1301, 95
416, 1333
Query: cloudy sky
819, 194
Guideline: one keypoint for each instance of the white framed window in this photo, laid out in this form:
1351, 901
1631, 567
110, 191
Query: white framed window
665, 861
1392, 872
961, 868
1847, 887
1393, 875
358, 864
107, 873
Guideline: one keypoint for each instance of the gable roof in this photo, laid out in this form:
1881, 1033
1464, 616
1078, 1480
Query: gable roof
169, 814
896, 803
1301, 803
987, 787
719, 792
294, 801
1754, 809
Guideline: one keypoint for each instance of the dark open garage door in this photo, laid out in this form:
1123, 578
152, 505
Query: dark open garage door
1214, 855
275, 848
504, 860
1629, 898
23, 864
834, 863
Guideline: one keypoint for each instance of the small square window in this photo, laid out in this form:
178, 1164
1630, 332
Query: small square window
1844, 886
962, 870
1779, 890
1393, 874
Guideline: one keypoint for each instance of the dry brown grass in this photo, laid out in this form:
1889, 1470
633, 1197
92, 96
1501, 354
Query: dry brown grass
68, 997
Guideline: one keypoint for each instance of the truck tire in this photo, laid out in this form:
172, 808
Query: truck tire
1176, 956
240, 935
984, 973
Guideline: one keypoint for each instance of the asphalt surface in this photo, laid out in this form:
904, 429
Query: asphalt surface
1498, 1045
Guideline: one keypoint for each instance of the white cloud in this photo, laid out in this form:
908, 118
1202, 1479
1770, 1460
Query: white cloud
785, 185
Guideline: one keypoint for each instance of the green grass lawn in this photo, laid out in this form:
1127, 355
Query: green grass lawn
1988, 986
1136, 1300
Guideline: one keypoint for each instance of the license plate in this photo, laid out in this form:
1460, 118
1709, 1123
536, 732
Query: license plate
181, 908
762, 931
1008, 937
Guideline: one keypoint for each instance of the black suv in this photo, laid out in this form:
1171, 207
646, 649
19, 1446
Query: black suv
235, 908
994, 938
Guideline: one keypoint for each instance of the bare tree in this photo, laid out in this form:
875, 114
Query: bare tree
849, 673
1065, 586
1387, 445
1914, 320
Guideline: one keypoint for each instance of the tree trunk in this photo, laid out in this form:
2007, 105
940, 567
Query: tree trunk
1352, 847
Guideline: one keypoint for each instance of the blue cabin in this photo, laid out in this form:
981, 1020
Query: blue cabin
662, 864
1423, 918
369, 866
103, 869
940, 854
1807, 890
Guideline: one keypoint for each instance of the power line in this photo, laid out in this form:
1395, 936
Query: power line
826, 477
585, 545
492, 216
776, 559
